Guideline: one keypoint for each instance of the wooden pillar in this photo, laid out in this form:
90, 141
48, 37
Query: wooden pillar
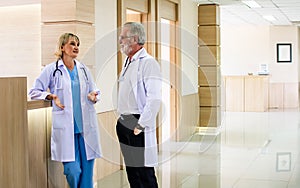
14, 168
75, 16
209, 65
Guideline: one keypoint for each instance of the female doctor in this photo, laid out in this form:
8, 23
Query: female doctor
75, 137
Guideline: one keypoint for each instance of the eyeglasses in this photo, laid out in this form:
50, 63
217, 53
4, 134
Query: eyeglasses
125, 37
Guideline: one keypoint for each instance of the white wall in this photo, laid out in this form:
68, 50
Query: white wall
106, 53
244, 48
284, 72
189, 47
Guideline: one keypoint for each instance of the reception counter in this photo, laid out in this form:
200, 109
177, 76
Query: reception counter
14, 155
247, 93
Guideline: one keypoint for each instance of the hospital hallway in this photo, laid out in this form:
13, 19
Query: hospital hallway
252, 150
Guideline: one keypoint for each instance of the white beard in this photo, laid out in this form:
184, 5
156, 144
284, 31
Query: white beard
126, 49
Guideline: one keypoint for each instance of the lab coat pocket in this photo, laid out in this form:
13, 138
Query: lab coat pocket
93, 118
58, 119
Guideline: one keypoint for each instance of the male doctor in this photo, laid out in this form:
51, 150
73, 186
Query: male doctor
139, 100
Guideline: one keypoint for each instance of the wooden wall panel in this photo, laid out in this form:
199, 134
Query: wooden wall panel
283, 95
276, 95
111, 160
37, 136
210, 96
234, 93
209, 76
140, 6
291, 95
69, 10
256, 93
52, 32
209, 35
208, 15
247, 93
135, 17
14, 171
85, 11
210, 117
209, 55
189, 116
169, 10
209, 65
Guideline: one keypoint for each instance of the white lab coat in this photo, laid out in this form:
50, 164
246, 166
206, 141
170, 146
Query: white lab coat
148, 94
62, 137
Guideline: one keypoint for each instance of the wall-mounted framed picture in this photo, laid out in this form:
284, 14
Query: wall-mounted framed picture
284, 53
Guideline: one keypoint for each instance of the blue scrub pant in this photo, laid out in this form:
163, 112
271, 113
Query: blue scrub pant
79, 173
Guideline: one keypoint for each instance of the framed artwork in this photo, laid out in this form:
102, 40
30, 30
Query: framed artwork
284, 52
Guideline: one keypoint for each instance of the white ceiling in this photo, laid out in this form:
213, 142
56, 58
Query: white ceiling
286, 12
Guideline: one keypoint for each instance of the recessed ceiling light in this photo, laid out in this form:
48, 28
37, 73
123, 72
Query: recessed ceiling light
251, 4
269, 18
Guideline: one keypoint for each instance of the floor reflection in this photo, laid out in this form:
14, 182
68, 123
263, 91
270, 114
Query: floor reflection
252, 150
260, 150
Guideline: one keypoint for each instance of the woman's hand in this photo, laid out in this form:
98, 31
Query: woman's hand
92, 96
56, 100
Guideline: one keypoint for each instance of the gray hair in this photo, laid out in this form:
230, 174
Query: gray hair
137, 29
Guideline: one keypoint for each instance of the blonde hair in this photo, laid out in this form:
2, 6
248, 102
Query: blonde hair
63, 39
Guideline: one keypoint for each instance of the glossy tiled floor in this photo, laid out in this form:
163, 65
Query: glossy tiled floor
253, 150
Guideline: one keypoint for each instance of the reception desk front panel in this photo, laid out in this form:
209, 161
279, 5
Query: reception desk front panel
246, 93
14, 164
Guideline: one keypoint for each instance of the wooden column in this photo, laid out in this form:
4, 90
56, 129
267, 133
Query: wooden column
75, 16
14, 166
209, 65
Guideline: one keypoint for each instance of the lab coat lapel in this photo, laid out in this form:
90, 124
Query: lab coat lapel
136, 78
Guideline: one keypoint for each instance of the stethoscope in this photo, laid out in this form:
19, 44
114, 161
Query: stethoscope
59, 71
127, 63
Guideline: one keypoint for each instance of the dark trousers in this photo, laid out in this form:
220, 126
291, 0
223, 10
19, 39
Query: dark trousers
133, 147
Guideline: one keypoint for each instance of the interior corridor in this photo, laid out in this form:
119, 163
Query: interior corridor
253, 150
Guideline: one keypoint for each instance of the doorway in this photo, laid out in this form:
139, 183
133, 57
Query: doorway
168, 56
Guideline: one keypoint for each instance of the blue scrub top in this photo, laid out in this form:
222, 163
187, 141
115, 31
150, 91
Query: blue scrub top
77, 113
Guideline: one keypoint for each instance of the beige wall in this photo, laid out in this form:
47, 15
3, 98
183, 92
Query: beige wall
189, 47
245, 47
106, 53
20, 46
284, 72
